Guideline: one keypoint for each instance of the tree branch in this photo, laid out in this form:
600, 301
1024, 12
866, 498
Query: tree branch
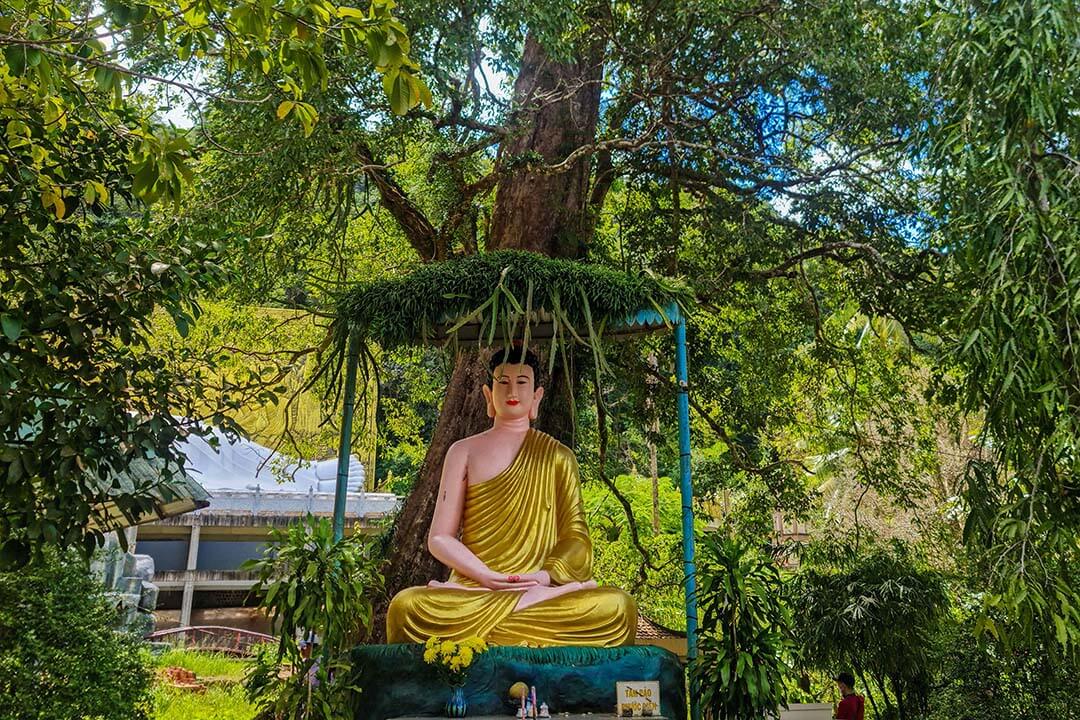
828, 250
738, 455
417, 228
455, 119
601, 424
628, 144
187, 87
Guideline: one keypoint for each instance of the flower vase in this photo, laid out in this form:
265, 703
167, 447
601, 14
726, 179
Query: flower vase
456, 706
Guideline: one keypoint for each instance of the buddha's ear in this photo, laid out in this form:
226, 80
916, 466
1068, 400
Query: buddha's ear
538, 395
490, 400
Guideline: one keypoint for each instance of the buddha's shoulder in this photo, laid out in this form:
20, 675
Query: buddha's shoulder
464, 445
548, 444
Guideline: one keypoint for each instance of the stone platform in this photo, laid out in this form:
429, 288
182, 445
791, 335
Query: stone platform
396, 682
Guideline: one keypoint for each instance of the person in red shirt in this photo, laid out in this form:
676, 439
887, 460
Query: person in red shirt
851, 705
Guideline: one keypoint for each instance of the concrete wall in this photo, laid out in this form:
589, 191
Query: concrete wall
199, 553
808, 711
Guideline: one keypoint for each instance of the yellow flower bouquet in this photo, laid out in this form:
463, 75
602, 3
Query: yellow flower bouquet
453, 659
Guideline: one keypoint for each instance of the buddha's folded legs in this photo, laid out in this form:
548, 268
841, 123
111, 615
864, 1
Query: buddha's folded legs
603, 616
418, 613
600, 617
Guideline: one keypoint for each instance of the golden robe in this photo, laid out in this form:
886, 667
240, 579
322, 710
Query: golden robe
527, 518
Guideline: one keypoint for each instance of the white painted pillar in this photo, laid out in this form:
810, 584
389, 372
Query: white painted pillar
189, 576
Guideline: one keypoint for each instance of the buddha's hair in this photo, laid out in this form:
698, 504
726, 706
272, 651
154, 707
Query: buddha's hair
516, 354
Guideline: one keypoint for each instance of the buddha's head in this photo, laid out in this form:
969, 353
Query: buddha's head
515, 390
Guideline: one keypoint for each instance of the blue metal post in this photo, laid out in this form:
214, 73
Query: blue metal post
687, 492
340, 492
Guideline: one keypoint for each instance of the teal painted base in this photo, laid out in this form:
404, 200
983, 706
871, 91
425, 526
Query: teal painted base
395, 681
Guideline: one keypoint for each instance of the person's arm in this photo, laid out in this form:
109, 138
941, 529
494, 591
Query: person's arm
443, 539
571, 558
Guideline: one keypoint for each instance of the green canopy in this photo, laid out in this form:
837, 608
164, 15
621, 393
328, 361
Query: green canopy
490, 297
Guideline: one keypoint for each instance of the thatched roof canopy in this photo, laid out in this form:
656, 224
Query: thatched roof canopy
487, 298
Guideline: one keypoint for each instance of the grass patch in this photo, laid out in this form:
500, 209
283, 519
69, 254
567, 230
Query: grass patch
223, 699
219, 702
204, 665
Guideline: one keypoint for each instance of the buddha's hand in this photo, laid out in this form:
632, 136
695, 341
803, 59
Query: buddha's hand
540, 577
495, 581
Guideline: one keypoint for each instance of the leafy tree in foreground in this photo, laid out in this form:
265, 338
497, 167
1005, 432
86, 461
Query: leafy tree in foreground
82, 395
739, 146
982, 680
1004, 151
59, 654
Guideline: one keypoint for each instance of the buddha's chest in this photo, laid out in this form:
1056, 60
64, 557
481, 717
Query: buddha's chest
512, 513
493, 454
485, 466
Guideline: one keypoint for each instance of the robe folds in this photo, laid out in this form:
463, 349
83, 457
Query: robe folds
527, 518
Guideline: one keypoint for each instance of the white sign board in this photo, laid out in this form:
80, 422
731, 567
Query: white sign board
638, 698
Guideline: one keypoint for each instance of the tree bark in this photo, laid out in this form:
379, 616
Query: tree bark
410, 563
557, 108
416, 227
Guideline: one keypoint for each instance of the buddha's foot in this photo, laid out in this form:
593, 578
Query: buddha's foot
543, 593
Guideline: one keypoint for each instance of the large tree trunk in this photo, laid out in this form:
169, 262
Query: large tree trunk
558, 107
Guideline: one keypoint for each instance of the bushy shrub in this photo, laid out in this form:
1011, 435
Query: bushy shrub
60, 658
877, 615
311, 583
745, 633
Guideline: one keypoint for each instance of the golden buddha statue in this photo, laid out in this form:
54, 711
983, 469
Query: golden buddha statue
509, 524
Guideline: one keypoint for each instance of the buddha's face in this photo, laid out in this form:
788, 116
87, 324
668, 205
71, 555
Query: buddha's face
513, 393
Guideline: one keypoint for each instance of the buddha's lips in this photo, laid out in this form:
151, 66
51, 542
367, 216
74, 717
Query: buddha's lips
513, 402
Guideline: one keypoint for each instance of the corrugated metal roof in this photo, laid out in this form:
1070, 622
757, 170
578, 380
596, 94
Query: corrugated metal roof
647, 629
172, 496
